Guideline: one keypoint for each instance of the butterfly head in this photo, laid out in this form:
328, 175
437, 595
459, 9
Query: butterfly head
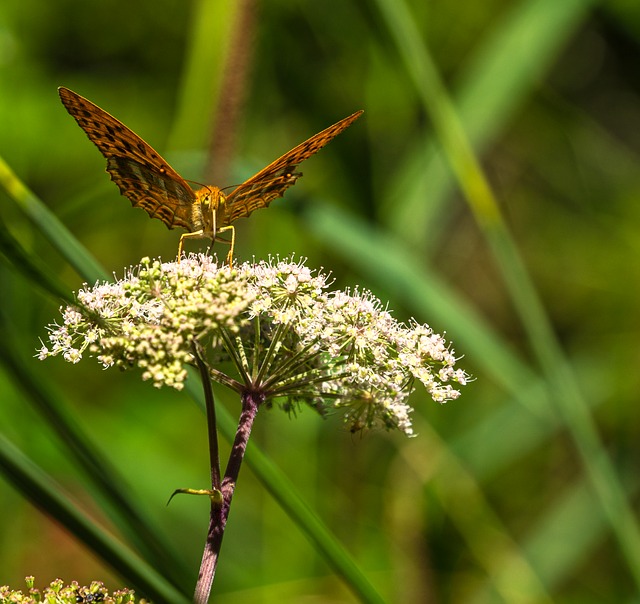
211, 209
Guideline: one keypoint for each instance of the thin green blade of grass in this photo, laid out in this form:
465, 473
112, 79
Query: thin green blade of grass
507, 65
562, 539
512, 431
50, 227
571, 526
31, 267
38, 488
568, 397
567, 532
435, 468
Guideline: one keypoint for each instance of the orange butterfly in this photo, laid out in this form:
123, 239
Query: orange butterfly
150, 183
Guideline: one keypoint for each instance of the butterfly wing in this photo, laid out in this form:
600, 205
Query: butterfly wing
141, 174
271, 182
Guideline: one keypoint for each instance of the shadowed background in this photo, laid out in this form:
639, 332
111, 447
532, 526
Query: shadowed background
494, 500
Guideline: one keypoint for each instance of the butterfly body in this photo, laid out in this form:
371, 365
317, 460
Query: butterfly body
150, 183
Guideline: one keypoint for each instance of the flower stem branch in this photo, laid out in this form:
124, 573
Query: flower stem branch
209, 558
219, 513
212, 430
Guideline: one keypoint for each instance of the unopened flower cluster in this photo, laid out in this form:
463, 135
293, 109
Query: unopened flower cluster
276, 322
59, 593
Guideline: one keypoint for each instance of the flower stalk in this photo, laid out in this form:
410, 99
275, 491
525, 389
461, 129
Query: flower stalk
270, 331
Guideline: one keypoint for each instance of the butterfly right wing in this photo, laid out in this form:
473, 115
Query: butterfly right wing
141, 174
271, 182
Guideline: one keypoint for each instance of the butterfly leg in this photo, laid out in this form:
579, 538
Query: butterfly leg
195, 235
231, 244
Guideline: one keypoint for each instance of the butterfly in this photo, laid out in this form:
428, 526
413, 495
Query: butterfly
150, 183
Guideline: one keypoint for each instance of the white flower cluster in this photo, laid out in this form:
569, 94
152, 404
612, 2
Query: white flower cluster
286, 334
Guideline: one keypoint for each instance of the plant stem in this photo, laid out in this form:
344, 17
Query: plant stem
212, 429
207, 566
251, 402
233, 87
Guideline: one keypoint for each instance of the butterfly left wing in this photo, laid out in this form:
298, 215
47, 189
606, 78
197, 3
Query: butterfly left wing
271, 182
141, 174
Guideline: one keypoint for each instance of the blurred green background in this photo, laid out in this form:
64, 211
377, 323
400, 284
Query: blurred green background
506, 495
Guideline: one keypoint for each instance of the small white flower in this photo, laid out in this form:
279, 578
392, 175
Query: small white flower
72, 355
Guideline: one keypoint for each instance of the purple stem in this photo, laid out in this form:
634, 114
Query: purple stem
251, 402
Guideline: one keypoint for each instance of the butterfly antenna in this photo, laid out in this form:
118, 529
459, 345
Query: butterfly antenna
197, 184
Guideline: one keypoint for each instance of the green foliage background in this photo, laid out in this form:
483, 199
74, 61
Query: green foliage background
523, 490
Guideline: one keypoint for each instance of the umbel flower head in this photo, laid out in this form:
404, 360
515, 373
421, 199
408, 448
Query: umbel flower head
271, 328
